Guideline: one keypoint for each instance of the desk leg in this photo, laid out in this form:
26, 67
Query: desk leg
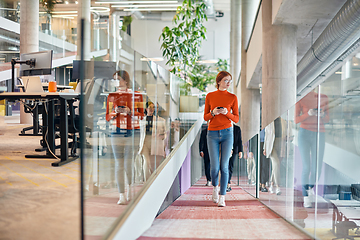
64, 136
36, 121
64, 130
51, 126
48, 131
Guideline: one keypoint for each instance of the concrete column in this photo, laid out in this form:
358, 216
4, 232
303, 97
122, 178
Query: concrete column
84, 13
250, 98
235, 45
29, 38
114, 33
278, 66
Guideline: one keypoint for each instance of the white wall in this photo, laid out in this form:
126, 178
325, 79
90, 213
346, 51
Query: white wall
217, 44
255, 50
145, 34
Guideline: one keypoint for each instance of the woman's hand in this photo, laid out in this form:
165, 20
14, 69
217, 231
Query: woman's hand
123, 109
216, 111
127, 110
219, 110
224, 111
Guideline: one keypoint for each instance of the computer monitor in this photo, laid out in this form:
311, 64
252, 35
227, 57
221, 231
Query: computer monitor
88, 70
43, 63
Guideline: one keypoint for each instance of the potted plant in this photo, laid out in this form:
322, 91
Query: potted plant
181, 43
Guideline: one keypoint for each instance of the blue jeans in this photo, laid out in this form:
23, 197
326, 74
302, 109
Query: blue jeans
124, 154
220, 139
307, 146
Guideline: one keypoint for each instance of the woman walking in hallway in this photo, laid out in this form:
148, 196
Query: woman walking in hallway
221, 109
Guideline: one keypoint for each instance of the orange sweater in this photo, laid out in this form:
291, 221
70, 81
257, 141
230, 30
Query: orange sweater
128, 99
221, 99
305, 104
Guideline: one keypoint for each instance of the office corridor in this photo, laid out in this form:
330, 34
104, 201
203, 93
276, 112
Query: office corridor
39, 200
194, 216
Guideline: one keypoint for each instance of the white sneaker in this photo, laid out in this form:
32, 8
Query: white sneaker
307, 202
122, 199
271, 189
221, 201
278, 191
311, 194
208, 183
215, 195
128, 191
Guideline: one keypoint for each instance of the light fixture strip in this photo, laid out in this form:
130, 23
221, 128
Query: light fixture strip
61, 12
65, 15
148, 9
145, 6
136, 2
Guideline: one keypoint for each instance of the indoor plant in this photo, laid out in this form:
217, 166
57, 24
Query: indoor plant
181, 43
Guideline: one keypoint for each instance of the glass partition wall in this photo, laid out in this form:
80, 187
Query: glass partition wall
304, 165
132, 123
311, 177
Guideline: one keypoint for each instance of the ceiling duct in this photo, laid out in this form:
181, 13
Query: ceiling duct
137, 14
338, 36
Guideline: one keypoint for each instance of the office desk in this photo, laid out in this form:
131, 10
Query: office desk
36, 113
46, 86
48, 118
344, 211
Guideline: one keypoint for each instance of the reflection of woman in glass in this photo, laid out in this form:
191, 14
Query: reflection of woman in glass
312, 120
272, 145
221, 109
152, 146
250, 163
174, 135
125, 108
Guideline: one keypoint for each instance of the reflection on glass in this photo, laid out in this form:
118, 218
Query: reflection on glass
248, 167
152, 144
124, 107
264, 164
174, 135
250, 164
272, 148
311, 139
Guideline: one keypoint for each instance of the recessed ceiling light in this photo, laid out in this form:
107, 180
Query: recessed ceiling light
149, 9
155, 59
147, 5
208, 61
135, 2
99, 9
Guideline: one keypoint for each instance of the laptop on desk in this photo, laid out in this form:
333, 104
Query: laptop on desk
32, 84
